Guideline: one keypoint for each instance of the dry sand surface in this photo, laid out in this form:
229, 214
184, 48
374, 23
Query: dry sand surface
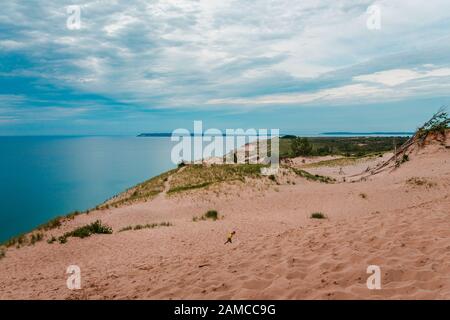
388, 219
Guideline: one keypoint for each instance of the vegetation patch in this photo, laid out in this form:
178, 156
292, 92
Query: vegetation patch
36, 237
2, 253
200, 176
143, 191
17, 241
52, 224
86, 231
417, 181
209, 215
23, 239
313, 177
439, 123
292, 146
146, 226
51, 240
317, 215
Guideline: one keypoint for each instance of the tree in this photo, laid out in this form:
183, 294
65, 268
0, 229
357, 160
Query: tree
301, 147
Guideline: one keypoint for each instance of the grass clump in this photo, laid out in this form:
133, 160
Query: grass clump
417, 181
126, 229
2, 253
146, 226
17, 241
52, 224
51, 240
86, 231
209, 215
36, 237
72, 215
317, 215
363, 195
313, 177
438, 123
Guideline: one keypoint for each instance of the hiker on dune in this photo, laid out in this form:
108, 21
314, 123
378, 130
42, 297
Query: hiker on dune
230, 237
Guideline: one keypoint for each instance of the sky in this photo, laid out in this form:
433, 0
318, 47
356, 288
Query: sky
304, 66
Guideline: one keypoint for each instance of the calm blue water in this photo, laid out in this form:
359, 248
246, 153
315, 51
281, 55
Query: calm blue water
43, 177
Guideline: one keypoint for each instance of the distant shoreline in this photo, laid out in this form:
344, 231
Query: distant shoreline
376, 133
337, 133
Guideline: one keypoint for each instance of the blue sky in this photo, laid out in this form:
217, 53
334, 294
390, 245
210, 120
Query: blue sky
151, 66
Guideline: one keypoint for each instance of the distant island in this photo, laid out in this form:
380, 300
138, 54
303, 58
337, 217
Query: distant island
162, 134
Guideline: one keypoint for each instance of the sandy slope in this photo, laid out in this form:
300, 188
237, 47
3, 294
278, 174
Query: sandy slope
278, 251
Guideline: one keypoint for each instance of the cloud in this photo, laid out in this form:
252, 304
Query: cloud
141, 56
399, 76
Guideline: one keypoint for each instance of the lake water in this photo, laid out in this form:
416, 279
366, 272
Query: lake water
43, 177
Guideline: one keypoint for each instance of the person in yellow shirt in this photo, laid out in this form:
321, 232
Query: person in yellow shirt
230, 237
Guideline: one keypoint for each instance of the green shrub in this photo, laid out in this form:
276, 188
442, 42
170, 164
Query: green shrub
62, 239
210, 214
86, 231
317, 215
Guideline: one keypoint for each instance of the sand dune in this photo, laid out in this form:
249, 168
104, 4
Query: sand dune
390, 219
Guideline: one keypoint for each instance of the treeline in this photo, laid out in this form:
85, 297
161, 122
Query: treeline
291, 146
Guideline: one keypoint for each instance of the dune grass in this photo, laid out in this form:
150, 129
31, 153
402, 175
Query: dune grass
24, 239
2, 253
313, 177
146, 226
86, 231
200, 176
143, 191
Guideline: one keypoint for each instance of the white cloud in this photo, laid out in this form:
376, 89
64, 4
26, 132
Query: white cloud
397, 77
336, 95
184, 53
11, 45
